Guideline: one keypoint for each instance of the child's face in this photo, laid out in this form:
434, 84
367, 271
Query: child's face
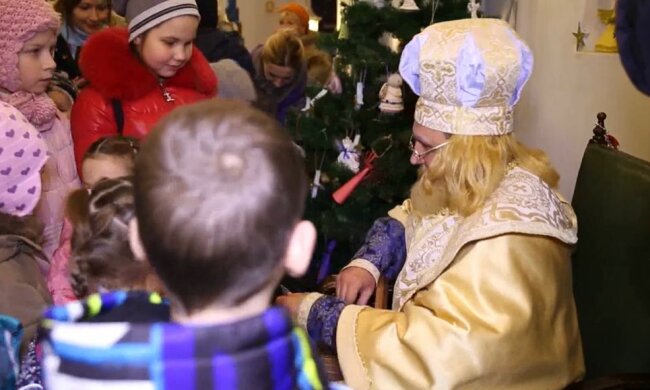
90, 16
35, 62
101, 167
168, 47
289, 20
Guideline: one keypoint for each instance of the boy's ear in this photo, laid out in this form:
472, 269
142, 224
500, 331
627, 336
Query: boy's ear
135, 242
300, 249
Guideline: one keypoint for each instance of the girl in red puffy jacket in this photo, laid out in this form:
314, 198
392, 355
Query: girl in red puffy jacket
138, 75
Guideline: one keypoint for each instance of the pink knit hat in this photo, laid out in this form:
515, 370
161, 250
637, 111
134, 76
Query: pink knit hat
22, 155
20, 20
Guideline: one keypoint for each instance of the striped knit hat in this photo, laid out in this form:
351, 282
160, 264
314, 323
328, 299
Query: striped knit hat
143, 15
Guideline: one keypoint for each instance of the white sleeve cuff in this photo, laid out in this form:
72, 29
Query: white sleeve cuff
368, 266
305, 308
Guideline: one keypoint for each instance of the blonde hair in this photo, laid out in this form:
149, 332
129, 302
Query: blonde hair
463, 174
284, 48
319, 68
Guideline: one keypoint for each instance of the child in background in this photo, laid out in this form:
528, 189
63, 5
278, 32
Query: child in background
102, 260
29, 29
219, 191
136, 76
23, 153
101, 256
107, 158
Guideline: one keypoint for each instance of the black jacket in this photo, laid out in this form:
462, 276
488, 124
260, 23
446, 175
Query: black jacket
217, 45
65, 62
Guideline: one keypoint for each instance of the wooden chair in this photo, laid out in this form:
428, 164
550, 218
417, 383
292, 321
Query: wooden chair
380, 301
611, 265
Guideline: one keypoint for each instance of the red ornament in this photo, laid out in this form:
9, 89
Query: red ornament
342, 194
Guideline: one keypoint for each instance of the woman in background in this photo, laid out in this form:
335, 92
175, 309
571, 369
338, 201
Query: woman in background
81, 18
280, 74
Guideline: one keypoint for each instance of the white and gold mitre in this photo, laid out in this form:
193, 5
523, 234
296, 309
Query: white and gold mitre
469, 75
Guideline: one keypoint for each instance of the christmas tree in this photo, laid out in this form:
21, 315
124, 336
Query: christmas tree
347, 137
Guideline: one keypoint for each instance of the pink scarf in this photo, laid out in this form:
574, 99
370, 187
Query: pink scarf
39, 110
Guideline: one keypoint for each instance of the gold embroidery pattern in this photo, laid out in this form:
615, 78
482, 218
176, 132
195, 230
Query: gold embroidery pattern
523, 203
439, 107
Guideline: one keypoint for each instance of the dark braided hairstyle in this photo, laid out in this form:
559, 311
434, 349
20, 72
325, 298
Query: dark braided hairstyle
116, 146
101, 255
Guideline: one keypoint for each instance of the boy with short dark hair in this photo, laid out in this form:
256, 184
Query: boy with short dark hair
220, 192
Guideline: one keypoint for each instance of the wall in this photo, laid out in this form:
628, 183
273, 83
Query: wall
567, 89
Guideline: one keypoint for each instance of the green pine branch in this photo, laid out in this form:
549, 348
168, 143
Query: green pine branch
334, 117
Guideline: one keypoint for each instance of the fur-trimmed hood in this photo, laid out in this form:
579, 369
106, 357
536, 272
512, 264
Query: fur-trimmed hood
112, 69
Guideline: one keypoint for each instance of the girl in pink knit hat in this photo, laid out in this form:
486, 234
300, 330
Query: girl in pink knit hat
26, 67
23, 154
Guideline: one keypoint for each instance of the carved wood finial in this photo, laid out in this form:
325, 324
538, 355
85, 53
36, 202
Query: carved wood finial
600, 131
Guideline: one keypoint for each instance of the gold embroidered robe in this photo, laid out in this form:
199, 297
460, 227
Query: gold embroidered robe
483, 302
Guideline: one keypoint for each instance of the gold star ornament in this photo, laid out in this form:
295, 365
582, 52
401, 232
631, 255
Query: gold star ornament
580, 38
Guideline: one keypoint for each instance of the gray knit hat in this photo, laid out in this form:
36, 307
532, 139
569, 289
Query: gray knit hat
234, 81
143, 15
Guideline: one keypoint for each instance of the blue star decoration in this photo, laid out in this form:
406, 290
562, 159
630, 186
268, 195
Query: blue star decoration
580, 38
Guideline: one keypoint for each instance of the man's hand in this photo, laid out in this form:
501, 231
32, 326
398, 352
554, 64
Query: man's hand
291, 302
355, 285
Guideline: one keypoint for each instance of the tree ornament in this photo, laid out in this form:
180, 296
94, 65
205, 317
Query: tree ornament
358, 97
434, 8
310, 102
472, 8
391, 95
344, 32
378, 149
344, 192
318, 175
334, 84
349, 156
409, 5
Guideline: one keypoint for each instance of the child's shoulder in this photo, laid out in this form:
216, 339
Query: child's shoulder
10, 113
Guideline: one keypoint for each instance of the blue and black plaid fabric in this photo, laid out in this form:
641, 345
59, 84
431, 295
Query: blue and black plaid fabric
262, 352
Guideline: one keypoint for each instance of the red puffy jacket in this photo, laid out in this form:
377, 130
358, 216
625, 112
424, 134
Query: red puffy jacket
114, 72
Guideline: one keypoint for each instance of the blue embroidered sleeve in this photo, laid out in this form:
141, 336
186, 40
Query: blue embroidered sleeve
322, 320
385, 247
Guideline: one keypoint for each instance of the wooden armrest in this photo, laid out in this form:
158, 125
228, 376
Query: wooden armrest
328, 287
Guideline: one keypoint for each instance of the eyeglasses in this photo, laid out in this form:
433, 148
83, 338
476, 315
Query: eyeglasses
420, 155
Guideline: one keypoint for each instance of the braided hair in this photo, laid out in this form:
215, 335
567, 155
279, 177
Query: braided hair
101, 255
